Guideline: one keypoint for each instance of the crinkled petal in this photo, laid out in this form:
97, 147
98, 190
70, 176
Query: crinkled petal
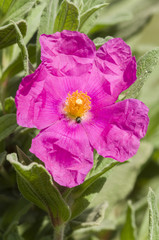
66, 152
36, 105
67, 53
114, 69
116, 130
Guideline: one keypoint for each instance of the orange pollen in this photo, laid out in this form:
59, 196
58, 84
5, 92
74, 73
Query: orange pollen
77, 104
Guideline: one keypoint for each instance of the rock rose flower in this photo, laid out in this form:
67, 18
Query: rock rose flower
71, 98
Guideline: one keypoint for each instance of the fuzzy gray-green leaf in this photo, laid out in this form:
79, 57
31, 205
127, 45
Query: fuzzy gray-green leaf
84, 17
129, 229
153, 216
36, 185
8, 33
27, 65
145, 66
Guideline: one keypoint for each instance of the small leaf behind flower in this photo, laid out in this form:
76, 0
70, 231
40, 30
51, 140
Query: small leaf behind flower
100, 41
36, 185
67, 17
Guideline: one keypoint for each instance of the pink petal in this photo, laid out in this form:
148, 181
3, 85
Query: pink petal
66, 152
116, 130
114, 67
67, 53
37, 107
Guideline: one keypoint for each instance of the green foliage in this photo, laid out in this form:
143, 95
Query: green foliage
100, 41
85, 193
17, 10
9, 105
8, 33
16, 66
145, 66
36, 185
84, 17
8, 124
27, 65
153, 216
129, 229
67, 17
4, 6
46, 22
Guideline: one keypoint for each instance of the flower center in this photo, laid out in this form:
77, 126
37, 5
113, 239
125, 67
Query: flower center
77, 104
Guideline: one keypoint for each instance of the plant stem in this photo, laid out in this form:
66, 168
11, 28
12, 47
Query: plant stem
59, 232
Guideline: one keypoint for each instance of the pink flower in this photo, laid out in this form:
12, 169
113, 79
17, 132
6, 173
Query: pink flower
71, 99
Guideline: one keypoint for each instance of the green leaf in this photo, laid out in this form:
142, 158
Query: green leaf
153, 216
143, 231
18, 10
125, 18
122, 179
12, 232
100, 41
91, 217
1, 109
28, 68
16, 66
36, 185
84, 17
23, 158
48, 18
145, 66
2, 157
67, 17
8, 124
4, 6
79, 190
85, 193
91, 3
9, 105
14, 212
79, 4
47, 21
8, 34
83, 201
33, 20
129, 229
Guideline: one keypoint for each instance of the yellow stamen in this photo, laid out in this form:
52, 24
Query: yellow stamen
77, 104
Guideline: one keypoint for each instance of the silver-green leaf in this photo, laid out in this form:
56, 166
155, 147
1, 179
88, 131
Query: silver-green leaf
36, 185
8, 33
145, 66
129, 230
153, 216
84, 17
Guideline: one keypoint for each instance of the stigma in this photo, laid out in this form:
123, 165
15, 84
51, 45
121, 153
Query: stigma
77, 105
